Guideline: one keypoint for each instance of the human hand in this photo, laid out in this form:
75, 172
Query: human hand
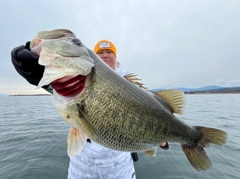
164, 145
26, 64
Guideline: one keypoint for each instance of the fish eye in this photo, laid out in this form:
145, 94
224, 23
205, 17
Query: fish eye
76, 41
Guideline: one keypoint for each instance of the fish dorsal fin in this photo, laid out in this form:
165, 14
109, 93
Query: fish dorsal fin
76, 141
175, 99
135, 80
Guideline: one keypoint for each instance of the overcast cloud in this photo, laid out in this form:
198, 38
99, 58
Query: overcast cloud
167, 43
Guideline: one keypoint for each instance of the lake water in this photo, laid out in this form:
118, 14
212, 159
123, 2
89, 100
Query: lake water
33, 140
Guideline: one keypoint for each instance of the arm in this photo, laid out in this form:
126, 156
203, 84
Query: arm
26, 64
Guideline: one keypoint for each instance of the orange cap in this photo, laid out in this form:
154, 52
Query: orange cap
105, 45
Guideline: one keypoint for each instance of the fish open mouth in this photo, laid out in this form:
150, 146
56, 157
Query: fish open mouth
69, 85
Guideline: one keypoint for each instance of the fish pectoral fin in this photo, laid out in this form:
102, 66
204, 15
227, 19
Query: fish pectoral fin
76, 141
88, 127
151, 153
133, 79
175, 99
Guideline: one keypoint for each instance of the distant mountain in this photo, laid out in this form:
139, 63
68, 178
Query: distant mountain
211, 87
218, 90
206, 89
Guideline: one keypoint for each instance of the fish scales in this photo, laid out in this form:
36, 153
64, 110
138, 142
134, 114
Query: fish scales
113, 111
141, 126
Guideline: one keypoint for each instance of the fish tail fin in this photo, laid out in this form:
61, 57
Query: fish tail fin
196, 154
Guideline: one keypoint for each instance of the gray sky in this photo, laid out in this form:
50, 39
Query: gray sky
167, 43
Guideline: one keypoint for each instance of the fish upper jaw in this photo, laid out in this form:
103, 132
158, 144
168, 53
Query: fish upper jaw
69, 86
66, 60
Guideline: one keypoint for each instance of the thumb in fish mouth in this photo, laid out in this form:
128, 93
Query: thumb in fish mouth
36, 45
62, 57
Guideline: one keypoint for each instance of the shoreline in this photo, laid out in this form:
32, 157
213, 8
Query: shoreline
212, 92
184, 93
30, 95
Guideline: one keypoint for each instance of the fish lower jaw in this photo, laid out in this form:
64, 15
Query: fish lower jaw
69, 86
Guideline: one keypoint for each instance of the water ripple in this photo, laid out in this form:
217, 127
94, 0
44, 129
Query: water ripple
33, 140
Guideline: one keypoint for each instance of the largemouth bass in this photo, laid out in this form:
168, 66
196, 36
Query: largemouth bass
114, 111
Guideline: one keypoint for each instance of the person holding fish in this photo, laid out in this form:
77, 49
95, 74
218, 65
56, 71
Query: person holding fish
95, 160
